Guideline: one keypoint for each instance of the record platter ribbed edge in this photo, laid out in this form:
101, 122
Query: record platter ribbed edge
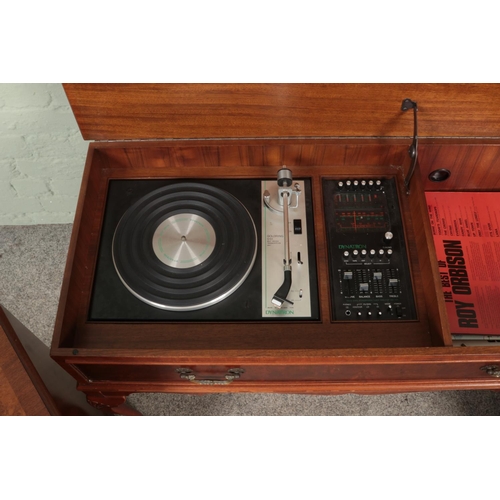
185, 246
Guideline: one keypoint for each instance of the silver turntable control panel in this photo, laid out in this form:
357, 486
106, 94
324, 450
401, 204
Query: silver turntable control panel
274, 254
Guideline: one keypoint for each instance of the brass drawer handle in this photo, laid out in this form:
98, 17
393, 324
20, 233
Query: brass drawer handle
231, 375
492, 370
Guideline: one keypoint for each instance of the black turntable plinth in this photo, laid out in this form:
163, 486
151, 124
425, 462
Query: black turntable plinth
178, 250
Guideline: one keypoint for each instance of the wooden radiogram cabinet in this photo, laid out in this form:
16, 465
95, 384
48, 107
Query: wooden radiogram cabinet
249, 131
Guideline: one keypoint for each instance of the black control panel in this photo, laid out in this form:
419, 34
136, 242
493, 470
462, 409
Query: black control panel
369, 272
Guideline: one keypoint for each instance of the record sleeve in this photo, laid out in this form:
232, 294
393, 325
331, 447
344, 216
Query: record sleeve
466, 231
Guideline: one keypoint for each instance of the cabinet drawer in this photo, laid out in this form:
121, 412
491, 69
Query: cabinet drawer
236, 374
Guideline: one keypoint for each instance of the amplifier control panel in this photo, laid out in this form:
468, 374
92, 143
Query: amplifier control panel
369, 272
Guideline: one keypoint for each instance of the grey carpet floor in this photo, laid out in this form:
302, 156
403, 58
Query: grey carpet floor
32, 260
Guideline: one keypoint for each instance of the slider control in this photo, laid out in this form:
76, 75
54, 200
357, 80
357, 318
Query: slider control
393, 285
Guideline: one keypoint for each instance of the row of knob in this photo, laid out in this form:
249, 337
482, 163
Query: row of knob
356, 253
360, 184
397, 311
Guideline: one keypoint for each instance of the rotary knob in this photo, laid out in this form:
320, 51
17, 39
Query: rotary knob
388, 236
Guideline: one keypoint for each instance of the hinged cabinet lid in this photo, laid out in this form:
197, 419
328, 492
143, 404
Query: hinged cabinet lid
188, 111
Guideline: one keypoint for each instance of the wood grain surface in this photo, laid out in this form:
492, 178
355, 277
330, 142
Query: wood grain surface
31, 383
162, 111
18, 395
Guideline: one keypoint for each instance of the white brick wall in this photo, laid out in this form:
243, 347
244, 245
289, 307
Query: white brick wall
42, 155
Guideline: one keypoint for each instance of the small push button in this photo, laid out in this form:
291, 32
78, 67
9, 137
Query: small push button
297, 226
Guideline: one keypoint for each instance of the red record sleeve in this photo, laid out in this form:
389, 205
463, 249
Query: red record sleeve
466, 230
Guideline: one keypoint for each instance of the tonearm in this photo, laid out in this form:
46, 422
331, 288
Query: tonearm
285, 192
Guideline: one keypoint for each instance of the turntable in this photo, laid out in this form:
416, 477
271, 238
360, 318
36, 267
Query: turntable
218, 249
278, 254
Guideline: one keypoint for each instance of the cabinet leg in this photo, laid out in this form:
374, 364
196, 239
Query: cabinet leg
115, 404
